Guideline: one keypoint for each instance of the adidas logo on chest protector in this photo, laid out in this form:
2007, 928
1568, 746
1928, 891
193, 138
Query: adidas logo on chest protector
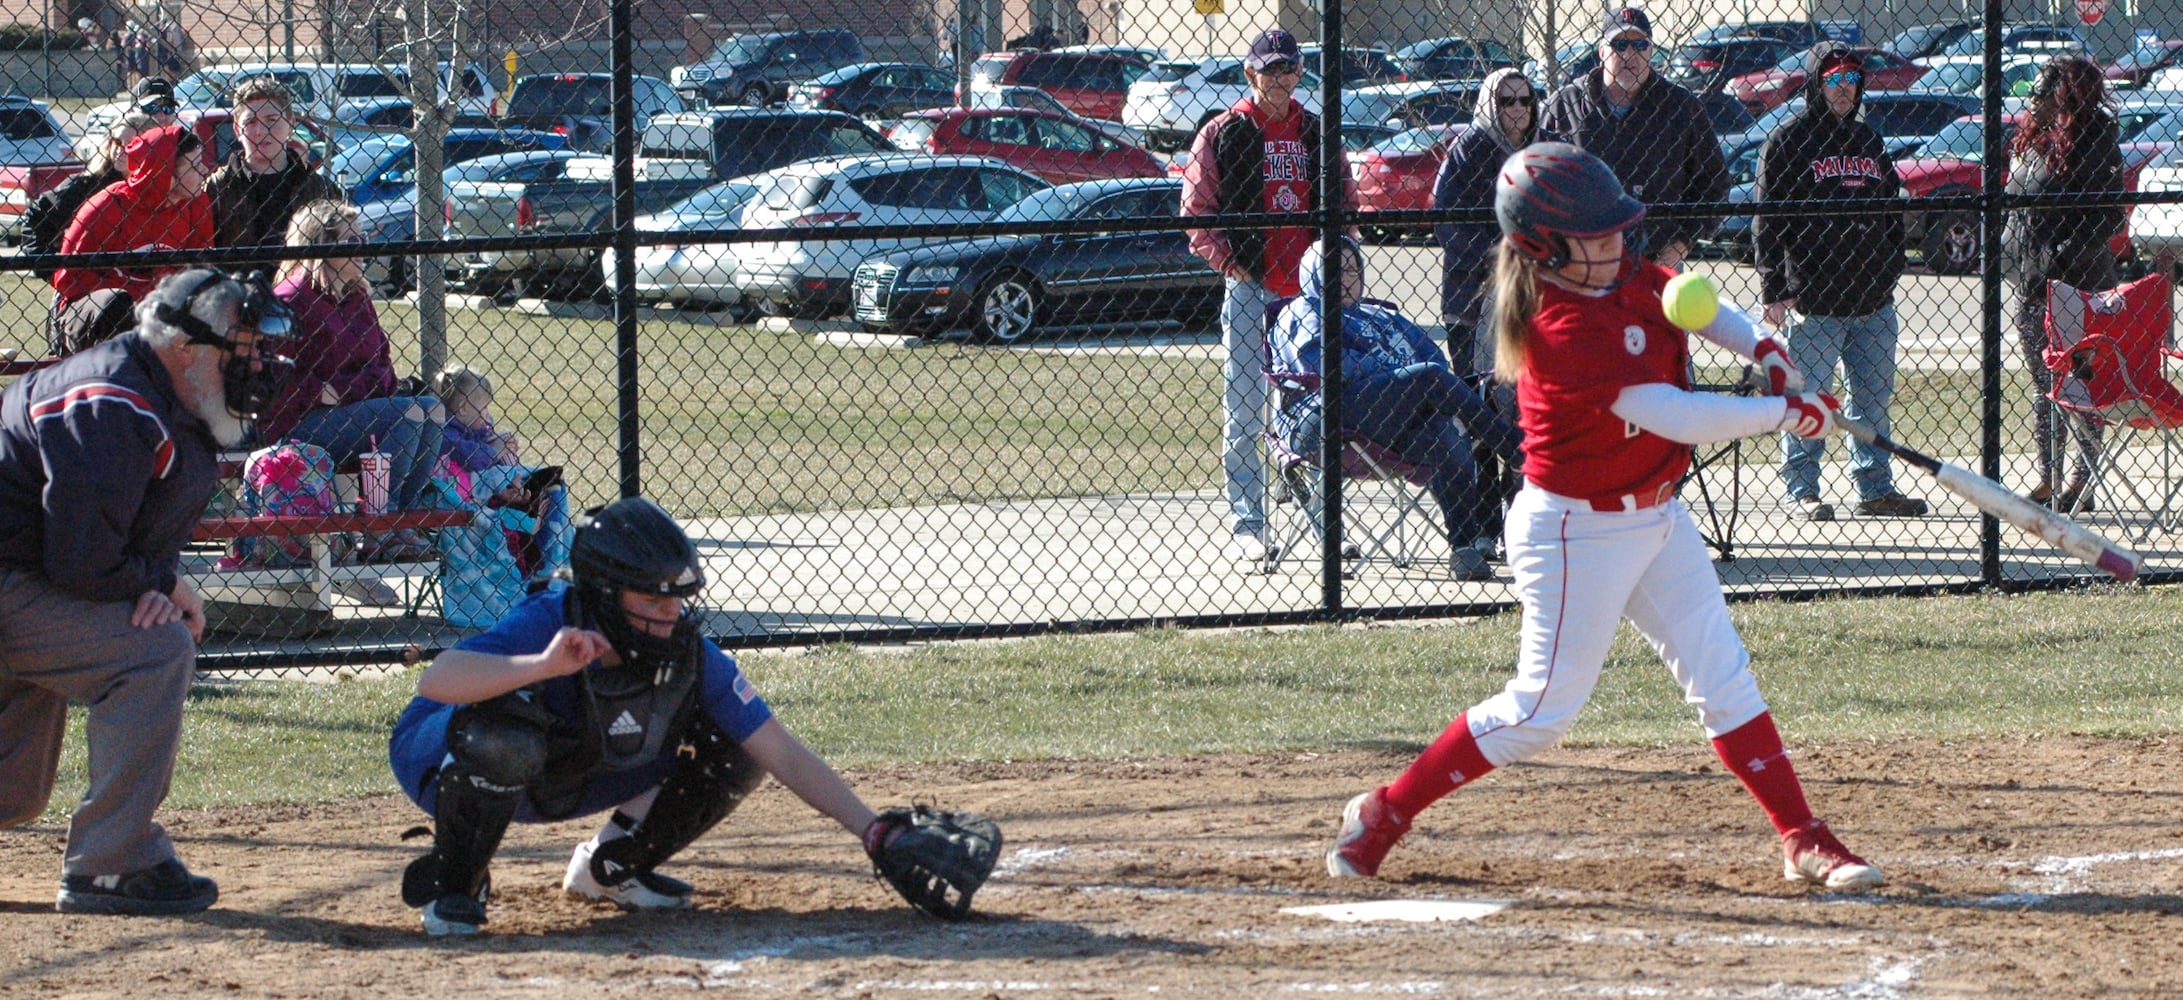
624, 725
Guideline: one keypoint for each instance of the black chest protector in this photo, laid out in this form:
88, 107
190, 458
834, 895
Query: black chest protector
632, 715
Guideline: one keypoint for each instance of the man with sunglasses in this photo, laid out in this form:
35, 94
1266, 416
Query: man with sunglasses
1832, 277
155, 97
107, 460
1261, 155
1654, 134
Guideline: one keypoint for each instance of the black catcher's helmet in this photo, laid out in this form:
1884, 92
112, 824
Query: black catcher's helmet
1550, 192
631, 544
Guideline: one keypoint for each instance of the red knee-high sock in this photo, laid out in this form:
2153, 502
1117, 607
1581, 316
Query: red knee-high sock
1450, 763
1753, 752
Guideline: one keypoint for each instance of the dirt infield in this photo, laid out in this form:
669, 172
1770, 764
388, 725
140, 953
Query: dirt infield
2039, 868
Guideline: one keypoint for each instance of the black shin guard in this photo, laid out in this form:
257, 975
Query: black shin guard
712, 775
496, 754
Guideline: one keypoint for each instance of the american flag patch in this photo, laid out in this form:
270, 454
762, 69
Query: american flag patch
743, 689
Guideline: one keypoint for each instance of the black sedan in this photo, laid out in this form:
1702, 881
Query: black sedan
1008, 288
877, 90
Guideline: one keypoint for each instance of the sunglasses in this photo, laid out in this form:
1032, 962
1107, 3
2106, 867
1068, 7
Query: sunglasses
1630, 44
1283, 68
1516, 102
1843, 78
159, 108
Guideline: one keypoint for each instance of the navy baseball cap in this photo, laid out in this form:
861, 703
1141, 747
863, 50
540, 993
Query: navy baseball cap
1626, 19
1271, 46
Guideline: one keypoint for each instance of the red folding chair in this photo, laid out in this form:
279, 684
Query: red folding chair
2106, 351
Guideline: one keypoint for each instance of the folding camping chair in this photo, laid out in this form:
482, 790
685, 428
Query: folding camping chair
1296, 478
2105, 350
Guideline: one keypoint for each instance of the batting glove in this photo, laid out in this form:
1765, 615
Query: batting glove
1810, 414
1782, 378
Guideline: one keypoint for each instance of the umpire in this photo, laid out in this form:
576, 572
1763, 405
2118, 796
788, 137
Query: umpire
106, 463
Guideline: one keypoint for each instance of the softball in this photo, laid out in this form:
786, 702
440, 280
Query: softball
1690, 301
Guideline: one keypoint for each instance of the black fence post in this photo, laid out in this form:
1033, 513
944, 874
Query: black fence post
1333, 214
1990, 220
629, 443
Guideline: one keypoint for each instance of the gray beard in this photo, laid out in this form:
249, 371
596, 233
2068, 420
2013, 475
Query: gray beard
210, 403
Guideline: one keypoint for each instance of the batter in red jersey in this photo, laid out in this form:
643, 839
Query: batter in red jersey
1597, 535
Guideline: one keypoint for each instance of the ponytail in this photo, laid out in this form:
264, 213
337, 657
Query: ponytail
1516, 301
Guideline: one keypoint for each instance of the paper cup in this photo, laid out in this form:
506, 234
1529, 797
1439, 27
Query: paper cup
373, 470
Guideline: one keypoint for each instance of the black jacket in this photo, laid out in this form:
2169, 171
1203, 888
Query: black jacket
252, 210
1466, 180
47, 219
1832, 265
1239, 158
2069, 243
1663, 149
130, 468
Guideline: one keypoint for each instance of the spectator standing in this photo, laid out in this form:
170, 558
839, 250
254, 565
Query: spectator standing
45, 224
2068, 144
1832, 277
106, 463
1653, 134
1505, 120
162, 206
1260, 155
155, 97
342, 397
259, 188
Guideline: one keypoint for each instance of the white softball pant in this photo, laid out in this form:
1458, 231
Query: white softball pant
1579, 572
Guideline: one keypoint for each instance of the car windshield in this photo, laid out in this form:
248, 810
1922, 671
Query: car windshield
201, 89
1418, 50
1416, 140
1049, 204
2140, 126
740, 49
1768, 122
477, 170
24, 123
1952, 78
562, 95
1963, 139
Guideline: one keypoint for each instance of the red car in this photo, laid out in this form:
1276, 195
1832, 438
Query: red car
1768, 88
1951, 164
1092, 84
1396, 174
1052, 146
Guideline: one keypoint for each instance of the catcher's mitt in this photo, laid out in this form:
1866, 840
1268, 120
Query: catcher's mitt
936, 860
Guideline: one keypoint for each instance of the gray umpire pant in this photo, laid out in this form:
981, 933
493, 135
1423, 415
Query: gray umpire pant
56, 648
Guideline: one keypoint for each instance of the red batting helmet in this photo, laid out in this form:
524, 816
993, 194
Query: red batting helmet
1549, 192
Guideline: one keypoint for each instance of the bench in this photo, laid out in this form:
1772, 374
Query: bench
308, 588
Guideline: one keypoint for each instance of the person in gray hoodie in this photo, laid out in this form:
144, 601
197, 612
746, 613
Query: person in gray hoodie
1505, 120
1832, 277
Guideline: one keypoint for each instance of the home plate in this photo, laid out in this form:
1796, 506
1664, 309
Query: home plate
1416, 911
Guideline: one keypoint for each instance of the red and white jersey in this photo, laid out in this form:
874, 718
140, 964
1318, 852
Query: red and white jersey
1583, 351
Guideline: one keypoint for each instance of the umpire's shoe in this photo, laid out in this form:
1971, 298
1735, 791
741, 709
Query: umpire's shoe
634, 891
164, 888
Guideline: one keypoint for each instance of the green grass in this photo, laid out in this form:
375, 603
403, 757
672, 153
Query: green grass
1837, 671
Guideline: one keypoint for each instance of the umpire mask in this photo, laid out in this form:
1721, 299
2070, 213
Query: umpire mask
250, 377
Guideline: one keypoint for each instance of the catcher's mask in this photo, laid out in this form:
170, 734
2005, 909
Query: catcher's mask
250, 379
632, 545
1551, 194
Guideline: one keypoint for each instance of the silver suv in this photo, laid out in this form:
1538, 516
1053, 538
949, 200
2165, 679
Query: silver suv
757, 69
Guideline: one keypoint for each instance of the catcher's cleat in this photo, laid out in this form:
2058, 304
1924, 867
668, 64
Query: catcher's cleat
636, 891
453, 915
1369, 830
1812, 856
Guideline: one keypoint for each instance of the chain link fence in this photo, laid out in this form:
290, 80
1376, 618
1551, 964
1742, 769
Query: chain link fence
896, 306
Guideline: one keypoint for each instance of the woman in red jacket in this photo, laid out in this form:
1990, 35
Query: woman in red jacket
161, 206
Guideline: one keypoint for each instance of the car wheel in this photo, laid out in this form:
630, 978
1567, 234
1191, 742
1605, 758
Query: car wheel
1007, 309
1951, 244
755, 95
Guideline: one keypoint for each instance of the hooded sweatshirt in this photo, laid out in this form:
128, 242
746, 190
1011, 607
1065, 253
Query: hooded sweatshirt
1466, 180
1835, 264
133, 216
1376, 341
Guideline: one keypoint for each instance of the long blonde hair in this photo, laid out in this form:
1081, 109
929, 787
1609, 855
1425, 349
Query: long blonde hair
1515, 302
318, 222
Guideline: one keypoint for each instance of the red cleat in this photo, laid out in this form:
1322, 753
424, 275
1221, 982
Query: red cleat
1812, 856
1369, 830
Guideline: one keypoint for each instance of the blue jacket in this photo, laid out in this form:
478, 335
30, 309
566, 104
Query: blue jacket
1376, 341
131, 470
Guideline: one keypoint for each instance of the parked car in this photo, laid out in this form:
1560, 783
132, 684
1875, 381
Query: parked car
725, 143
578, 106
1725, 114
1967, 74
2158, 226
394, 220
1147, 54
2137, 69
317, 89
1802, 34
1095, 85
580, 200
35, 156
1454, 57
812, 278
1034, 99
1396, 175
876, 90
701, 274
1008, 289
1706, 66
1170, 110
1919, 41
374, 115
757, 69
1361, 67
1951, 163
385, 167
2021, 38
1055, 147
1762, 90
1413, 104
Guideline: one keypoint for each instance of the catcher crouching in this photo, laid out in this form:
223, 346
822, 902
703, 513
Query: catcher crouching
602, 695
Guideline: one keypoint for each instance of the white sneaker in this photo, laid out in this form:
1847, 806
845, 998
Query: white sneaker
369, 593
1251, 548
641, 891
